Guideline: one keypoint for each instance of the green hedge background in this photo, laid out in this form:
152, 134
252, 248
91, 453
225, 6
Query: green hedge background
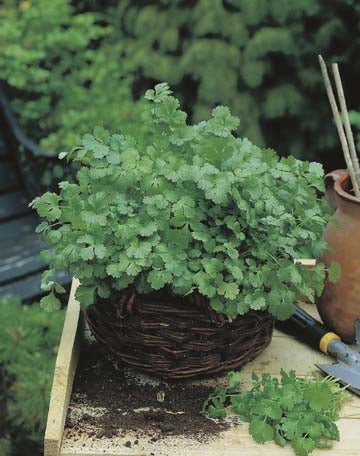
74, 65
29, 338
70, 65
259, 57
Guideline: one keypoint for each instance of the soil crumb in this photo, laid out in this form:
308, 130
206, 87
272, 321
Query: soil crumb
119, 400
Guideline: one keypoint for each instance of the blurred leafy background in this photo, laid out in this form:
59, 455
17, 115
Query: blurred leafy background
70, 65
28, 344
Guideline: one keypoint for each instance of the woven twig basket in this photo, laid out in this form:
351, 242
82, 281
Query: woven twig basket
177, 337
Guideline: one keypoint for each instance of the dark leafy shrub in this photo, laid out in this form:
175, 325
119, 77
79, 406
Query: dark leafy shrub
259, 57
64, 70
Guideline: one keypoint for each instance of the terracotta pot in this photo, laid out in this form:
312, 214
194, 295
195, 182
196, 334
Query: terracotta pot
339, 305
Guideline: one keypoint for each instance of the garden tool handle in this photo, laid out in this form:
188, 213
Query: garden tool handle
304, 326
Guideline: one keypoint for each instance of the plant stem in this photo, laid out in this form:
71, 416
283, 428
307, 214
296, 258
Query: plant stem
272, 257
344, 112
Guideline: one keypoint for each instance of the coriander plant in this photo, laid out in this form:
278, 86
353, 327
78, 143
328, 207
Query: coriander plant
190, 208
293, 410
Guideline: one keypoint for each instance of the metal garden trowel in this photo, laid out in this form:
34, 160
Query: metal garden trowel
347, 369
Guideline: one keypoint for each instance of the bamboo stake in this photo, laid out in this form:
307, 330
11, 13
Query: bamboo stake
344, 112
339, 126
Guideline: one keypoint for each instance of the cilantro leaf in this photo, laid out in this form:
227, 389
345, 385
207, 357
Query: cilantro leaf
159, 94
222, 122
41, 227
85, 295
290, 426
268, 408
90, 143
258, 302
47, 206
303, 446
234, 379
289, 396
278, 437
229, 290
101, 134
215, 412
156, 279
317, 169
87, 253
334, 271
113, 158
50, 302
260, 431
280, 305
100, 251
319, 396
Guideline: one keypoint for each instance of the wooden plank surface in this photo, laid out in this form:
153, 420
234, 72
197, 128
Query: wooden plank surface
20, 259
20, 264
283, 352
28, 287
13, 230
236, 442
13, 205
65, 368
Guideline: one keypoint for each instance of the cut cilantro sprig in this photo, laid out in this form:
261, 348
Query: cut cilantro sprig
293, 410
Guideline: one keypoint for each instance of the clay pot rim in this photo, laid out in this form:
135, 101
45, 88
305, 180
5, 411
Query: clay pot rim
340, 190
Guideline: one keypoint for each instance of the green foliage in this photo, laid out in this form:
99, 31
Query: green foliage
259, 57
192, 208
299, 411
334, 272
66, 69
354, 117
5, 446
28, 345
70, 66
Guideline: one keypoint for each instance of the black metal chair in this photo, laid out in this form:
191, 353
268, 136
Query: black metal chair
21, 162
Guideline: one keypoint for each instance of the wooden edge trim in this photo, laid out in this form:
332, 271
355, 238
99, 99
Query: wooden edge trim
65, 368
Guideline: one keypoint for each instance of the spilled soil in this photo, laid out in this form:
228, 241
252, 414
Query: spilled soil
133, 403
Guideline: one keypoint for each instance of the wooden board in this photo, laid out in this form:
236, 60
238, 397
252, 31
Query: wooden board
283, 352
13, 205
20, 264
29, 287
65, 368
20, 259
13, 230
